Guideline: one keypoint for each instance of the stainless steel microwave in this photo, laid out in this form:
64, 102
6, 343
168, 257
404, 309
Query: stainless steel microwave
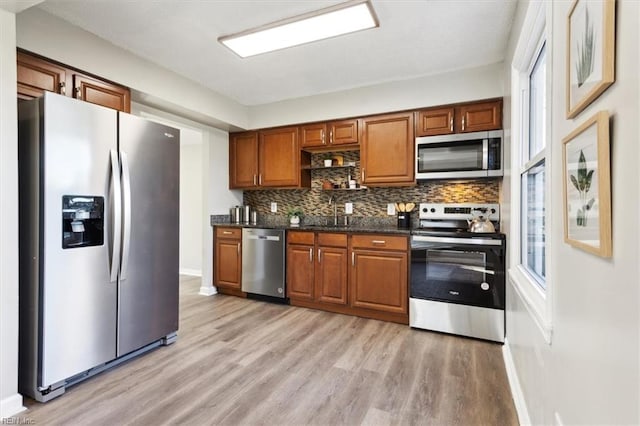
462, 155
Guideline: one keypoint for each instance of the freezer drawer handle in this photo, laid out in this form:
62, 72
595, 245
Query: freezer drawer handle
117, 217
126, 213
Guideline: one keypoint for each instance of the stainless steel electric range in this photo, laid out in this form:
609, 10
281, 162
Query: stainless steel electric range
458, 277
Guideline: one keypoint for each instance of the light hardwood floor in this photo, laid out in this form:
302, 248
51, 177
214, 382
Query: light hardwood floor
240, 361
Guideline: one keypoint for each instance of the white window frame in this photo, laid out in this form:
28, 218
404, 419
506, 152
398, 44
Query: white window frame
535, 32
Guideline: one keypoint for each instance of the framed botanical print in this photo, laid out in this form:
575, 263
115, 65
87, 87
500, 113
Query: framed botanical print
590, 52
587, 186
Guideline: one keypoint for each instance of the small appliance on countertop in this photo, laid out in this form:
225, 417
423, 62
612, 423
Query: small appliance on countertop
458, 276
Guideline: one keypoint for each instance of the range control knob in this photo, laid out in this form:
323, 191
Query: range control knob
425, 210
493, 211
433, 210
484, 286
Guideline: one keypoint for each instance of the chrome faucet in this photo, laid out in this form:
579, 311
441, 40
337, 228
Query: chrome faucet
332, 199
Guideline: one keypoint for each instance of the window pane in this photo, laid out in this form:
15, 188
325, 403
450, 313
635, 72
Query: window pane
533, 226
537, 105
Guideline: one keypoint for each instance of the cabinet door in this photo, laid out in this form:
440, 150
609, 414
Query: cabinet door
480, 116
300, 271
243, 160
344, 132
387, 150
379, 280
102, 93
35, 76
228, 263
279, 158
435, 121
313, 135
331, 275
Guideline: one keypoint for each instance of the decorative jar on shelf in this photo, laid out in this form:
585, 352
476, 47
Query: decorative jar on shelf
294, 220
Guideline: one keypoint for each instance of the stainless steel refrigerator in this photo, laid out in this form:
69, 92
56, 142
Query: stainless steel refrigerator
99, 198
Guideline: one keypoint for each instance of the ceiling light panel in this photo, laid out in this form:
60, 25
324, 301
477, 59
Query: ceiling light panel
331, 22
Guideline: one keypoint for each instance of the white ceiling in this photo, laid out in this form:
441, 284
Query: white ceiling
415, 38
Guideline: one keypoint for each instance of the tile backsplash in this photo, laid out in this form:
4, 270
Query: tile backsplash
371, 202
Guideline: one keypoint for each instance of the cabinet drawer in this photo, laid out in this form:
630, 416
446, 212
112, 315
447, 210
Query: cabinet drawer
388, 242
300, 237
235, 233
333, 240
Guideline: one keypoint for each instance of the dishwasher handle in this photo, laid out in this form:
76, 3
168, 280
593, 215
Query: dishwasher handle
264, 237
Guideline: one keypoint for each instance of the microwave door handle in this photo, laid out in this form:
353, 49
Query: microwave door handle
485, 154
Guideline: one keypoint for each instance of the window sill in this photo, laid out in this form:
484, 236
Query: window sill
534, 300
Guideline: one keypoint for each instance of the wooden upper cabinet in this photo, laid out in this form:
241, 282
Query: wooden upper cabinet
479, 116
35, 76
100, 92
460, 118
435, 121
243, 160
387, 149
279, 158
313, 135
344, 132
334, 133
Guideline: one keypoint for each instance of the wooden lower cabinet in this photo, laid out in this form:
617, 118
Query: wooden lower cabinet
379, 280
300, 271
368, 279
317, 267
227, 254
331, 275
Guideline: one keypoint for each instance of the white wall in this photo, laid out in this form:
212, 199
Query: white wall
10, 400
457, 86
191, 205
590, 373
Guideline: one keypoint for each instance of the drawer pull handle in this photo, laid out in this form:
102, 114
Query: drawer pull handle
378, 242
227, 232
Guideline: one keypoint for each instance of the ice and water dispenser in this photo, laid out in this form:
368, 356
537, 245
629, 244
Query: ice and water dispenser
82, 221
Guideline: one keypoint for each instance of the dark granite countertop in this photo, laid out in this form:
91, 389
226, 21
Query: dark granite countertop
356, 228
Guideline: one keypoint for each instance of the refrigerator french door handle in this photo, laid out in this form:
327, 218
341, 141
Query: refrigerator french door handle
117, 216
126, 215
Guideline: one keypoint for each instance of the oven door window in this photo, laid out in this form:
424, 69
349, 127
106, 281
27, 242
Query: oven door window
466, 277
451, 156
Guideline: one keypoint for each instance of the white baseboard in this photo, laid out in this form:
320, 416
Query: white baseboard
514, 384
191, 272
10, 406
207, 291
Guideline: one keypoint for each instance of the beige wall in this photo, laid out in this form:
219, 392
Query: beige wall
590, 373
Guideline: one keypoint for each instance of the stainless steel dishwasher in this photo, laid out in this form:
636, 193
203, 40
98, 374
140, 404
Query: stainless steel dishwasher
263, 262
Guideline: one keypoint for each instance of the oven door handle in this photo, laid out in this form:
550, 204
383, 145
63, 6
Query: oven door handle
455, 240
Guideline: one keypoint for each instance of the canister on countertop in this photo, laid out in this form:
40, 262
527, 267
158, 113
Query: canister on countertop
404, 220
235, 214
254, 217
246, 214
